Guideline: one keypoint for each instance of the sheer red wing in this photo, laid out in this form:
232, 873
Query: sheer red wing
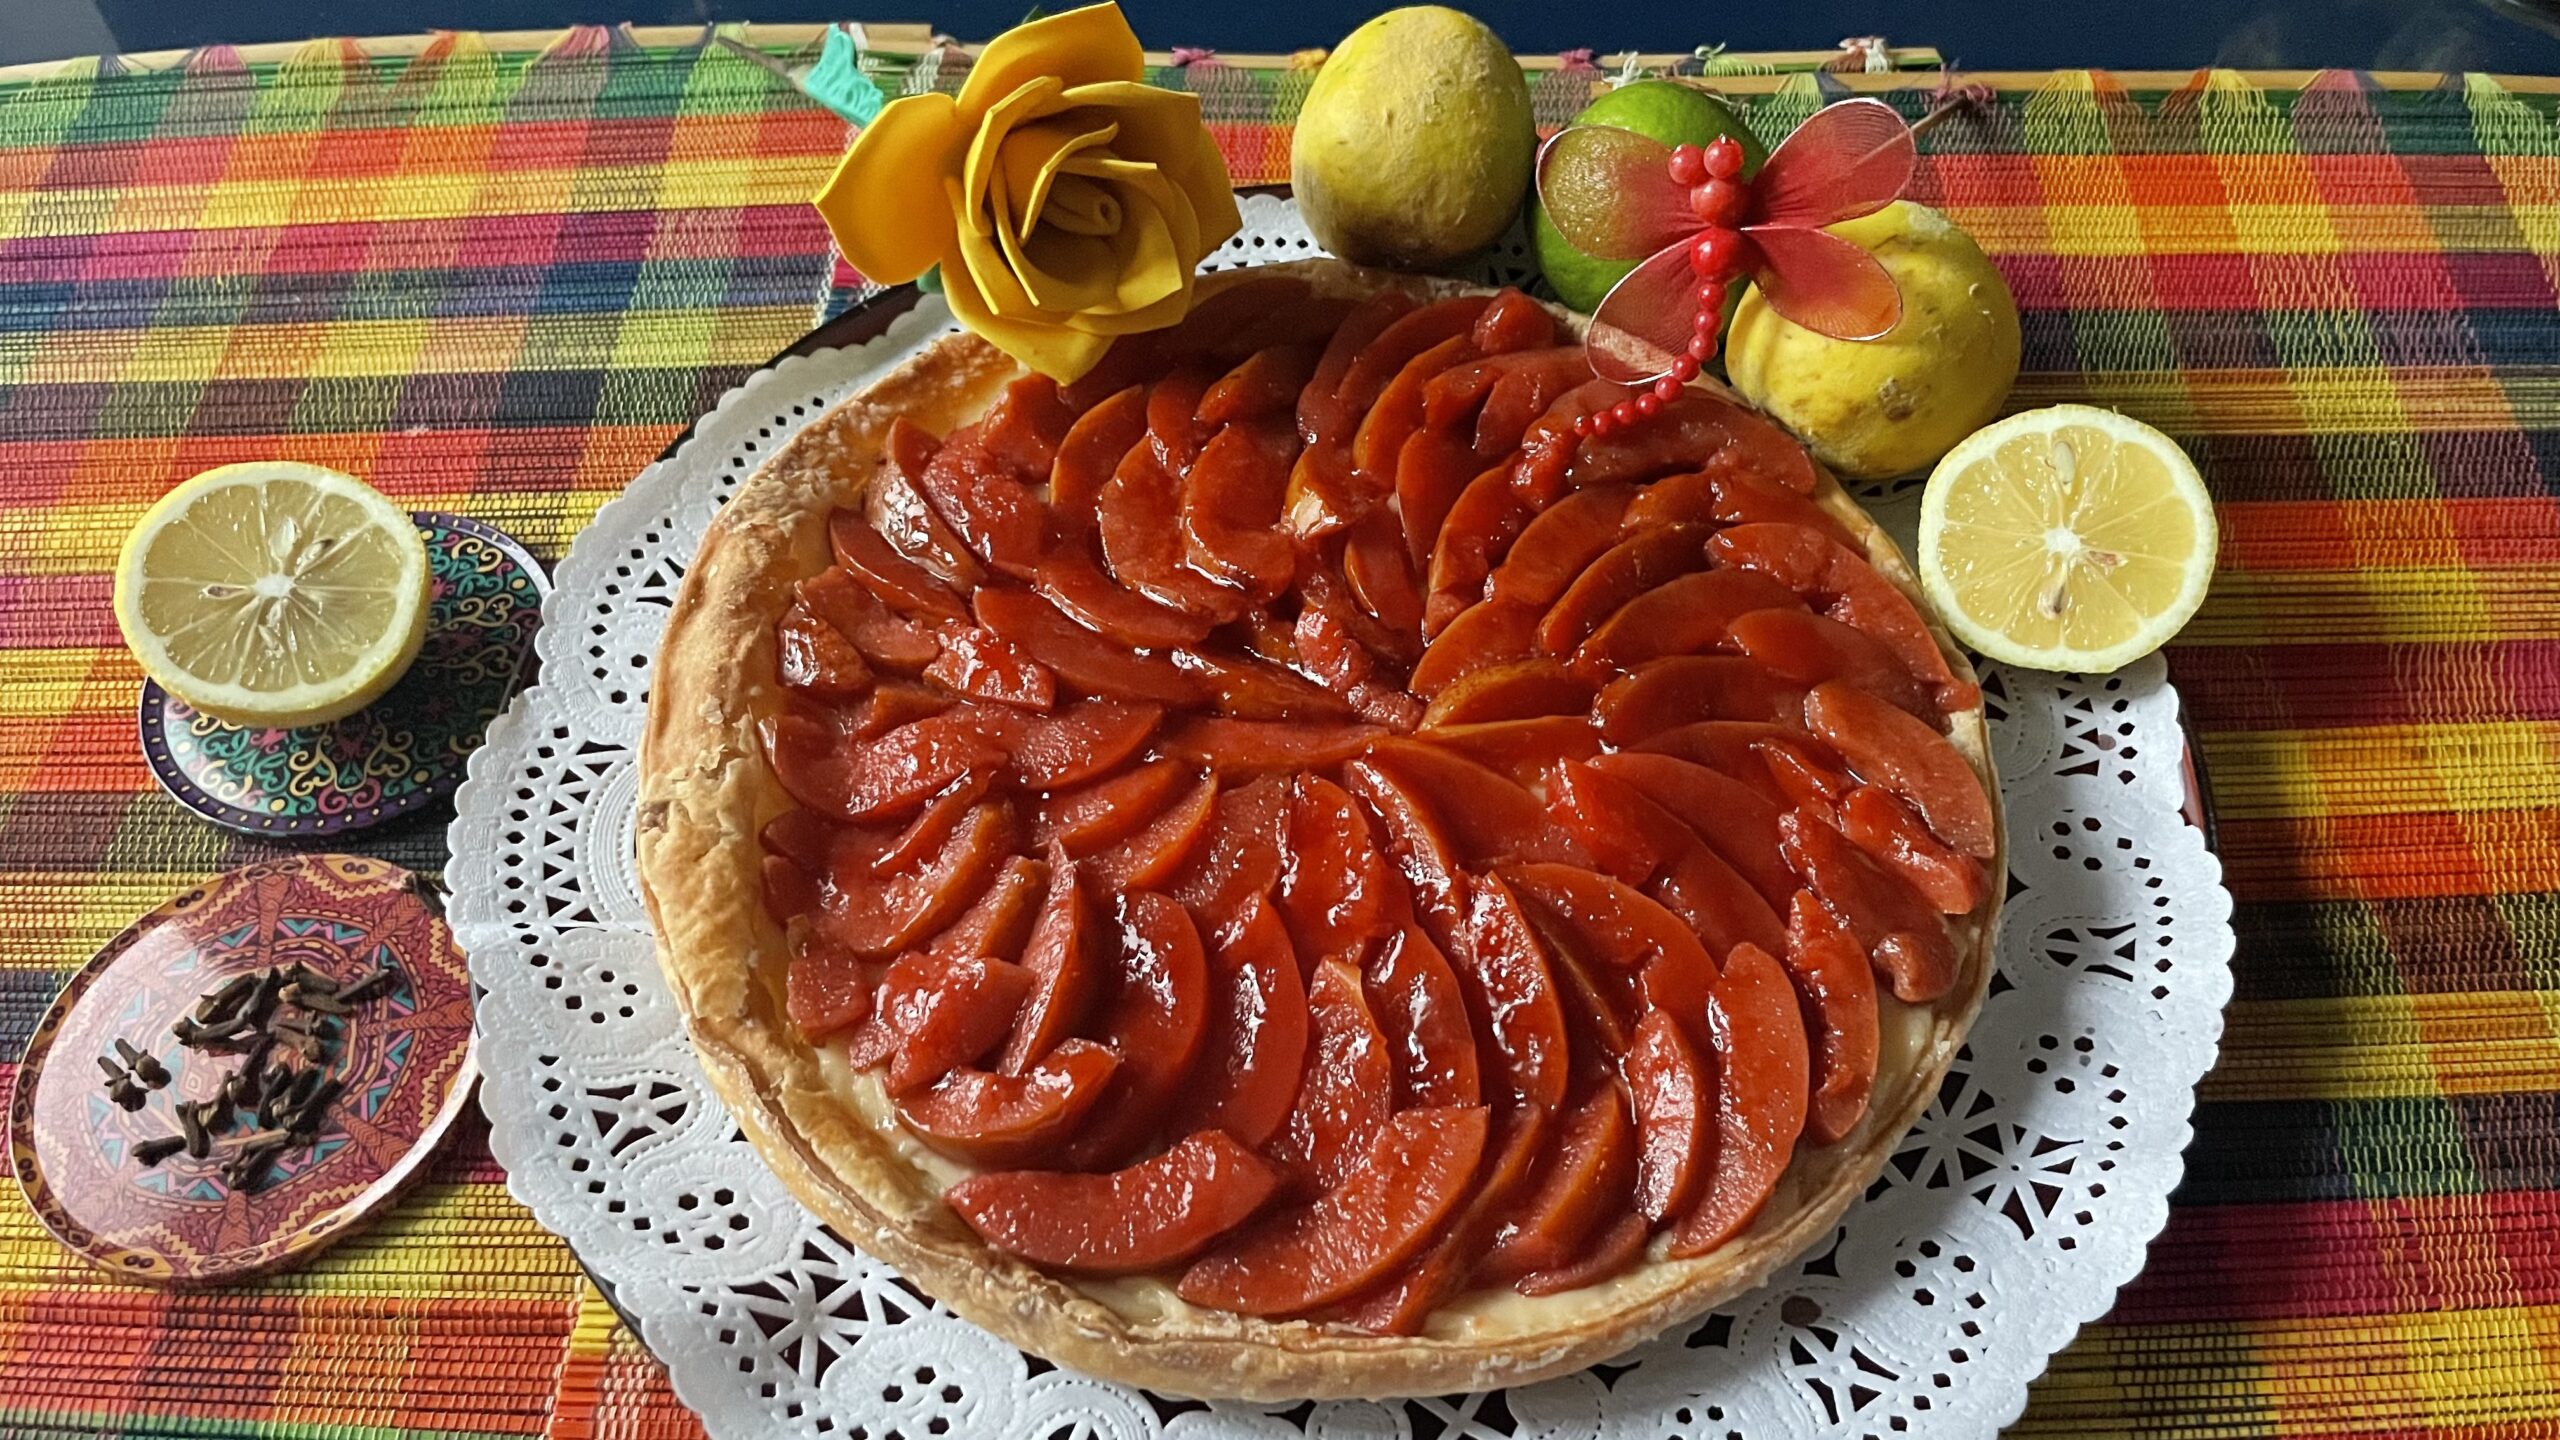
1845, 160
1610, 192
1645, 321
1823, 283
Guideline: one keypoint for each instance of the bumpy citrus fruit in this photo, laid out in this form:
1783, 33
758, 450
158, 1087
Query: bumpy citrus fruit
1666, 110
1888, 406
1415, 143
2068, 538
273, 593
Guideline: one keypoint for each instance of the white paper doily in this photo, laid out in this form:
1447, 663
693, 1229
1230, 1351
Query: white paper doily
2006, 1220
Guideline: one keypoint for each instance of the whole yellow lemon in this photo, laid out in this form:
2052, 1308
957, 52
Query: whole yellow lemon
1415, 143
1877, 408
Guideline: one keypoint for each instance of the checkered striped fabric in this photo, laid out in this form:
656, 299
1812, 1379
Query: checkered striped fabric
499, 284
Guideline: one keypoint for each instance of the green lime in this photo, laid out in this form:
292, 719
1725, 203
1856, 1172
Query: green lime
1666, 110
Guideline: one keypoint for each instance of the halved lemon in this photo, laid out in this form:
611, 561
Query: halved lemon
2067, 538
273, 593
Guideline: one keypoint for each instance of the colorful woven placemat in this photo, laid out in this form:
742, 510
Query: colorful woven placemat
499, 283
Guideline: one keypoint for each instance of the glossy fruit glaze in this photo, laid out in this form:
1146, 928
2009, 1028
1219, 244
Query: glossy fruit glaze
1301, 824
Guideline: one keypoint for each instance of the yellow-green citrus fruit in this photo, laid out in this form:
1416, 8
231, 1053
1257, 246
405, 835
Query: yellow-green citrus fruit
1415, 143
2067, 538
1665, 110
1888, 406
273, 593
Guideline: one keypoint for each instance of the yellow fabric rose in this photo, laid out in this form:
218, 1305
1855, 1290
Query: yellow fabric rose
1066, 202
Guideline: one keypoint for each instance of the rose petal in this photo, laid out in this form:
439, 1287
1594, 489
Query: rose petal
1065, 272
982, 256
1162, 128
1031, 158
1079, 47
1136, 181
1079, 205
1034, 99
1063, 352
885, 204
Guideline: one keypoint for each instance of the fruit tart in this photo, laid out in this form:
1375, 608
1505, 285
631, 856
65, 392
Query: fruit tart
1286, 867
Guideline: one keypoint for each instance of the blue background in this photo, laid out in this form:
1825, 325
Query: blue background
2506, 35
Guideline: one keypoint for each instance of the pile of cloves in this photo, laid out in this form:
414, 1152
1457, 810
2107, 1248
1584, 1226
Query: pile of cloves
286, 1022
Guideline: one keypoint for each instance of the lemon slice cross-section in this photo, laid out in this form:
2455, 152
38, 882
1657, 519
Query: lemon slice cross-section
273, 593
2068, 538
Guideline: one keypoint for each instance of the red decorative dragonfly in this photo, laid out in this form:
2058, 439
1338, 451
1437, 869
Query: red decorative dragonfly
1698, 226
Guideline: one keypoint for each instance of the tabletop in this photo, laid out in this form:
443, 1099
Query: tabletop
497, 281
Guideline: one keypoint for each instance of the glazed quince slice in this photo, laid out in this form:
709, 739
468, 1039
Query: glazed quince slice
1414, 1172
1156, 1213
1248, 1075
1333, 879
1795, 644
1154, 1015
1909, 757
1725, 494
1065, 963
1082, 741
944, 1014
1402, 1303
1519, 689
1556, 547
1617, 575
1344, 1091
1837, 989
1010, 1121
1087, 455
1081, 658
892, 578
1739, 822
1586, 1183
1892, 832
1761, 1096
1420, 1011
1848, 589
1099, 812
1522, 750
1682, 689
1673, 1091
1149, 857
1482, 635
1686, 615
1068, 578
1900, 928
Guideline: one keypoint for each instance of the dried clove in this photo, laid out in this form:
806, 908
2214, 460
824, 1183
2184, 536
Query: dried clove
370, 986
305, 1119
262, 1001
115, 1072
316, 1001
313, 982
126, 1094
225, 1000
158, 1148
199, 1141
146, 1066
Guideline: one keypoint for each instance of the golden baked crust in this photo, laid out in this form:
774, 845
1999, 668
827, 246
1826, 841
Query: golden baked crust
706, 791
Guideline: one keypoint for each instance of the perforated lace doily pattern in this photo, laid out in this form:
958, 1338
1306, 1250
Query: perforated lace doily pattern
2006, 1220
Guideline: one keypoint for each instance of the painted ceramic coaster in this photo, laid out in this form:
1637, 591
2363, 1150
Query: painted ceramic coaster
401, 753
401, 1057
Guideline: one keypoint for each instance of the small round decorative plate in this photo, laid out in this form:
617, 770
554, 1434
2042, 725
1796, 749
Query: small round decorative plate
403, 1061
399, 754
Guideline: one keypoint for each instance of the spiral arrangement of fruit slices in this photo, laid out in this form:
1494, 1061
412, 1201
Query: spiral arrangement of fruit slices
1297, 819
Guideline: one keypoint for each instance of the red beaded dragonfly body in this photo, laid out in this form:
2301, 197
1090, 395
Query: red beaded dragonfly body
1698, 225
